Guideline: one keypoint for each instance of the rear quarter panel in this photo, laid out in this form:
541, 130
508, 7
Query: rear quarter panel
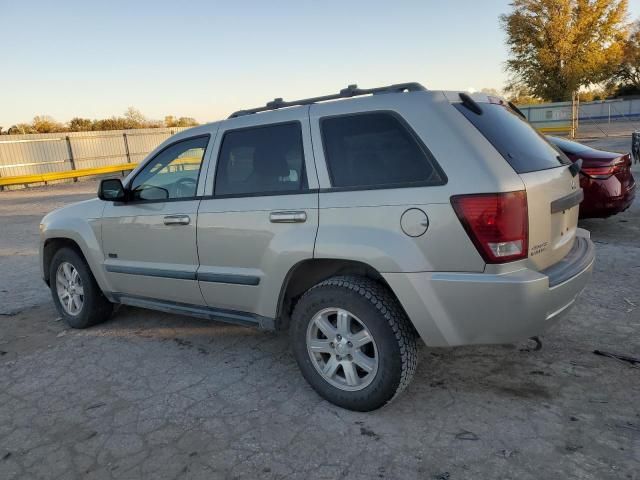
364, 225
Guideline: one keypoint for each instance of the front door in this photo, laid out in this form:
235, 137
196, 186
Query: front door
149, 242
262, 216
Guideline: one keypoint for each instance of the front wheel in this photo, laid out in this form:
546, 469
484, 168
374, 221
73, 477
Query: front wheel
75, 292
353, 342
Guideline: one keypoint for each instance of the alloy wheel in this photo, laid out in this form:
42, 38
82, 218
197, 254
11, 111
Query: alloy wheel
69, 288
342, 349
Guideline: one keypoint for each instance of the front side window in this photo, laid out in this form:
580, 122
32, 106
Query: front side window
261, 160
375, 150
171, 174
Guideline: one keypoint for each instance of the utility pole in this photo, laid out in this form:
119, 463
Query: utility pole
575, 109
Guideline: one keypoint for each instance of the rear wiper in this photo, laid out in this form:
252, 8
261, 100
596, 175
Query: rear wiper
517, 110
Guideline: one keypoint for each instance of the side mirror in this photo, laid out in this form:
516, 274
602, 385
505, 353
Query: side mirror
112, 190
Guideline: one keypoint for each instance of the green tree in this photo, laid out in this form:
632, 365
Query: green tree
558, 46
628, 73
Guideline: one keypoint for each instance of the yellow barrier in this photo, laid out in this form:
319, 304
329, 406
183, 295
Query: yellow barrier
555, 129
84, 172
52, 176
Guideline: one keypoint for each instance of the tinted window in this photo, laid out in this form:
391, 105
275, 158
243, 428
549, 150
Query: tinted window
375, 149
518, 142
172, 173
261, 160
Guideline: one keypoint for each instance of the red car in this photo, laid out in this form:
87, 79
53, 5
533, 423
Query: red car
605, 177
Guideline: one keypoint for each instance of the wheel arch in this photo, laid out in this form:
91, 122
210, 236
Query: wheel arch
307, 273
49, 249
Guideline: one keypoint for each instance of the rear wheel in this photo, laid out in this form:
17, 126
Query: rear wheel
353, 342
75, 293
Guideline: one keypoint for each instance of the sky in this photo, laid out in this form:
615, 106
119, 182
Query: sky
205, 59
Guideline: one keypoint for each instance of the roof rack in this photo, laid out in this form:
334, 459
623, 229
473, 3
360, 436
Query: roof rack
350, 91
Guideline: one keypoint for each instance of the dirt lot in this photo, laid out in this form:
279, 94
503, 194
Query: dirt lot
161, 396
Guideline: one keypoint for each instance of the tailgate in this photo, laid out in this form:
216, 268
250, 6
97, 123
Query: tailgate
553, 193
553, 199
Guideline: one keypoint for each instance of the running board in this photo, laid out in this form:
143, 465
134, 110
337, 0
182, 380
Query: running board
198, 311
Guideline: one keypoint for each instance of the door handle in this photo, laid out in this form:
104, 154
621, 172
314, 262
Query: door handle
288, 217
177, 220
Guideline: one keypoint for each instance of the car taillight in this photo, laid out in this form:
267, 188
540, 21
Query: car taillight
604, 172
497, 223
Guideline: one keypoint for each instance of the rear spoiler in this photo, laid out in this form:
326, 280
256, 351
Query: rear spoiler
475, 107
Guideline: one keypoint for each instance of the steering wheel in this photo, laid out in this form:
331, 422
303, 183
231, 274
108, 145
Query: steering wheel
185, 187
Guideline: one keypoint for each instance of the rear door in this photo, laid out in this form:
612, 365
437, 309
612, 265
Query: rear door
553, 192
260, 215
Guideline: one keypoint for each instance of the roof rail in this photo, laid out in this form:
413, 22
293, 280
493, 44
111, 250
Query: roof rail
350, 91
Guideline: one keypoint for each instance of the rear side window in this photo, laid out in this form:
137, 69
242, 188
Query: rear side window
518, 142
376, 150
261, 160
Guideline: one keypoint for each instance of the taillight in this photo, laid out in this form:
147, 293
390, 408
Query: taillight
497, 223
604, 172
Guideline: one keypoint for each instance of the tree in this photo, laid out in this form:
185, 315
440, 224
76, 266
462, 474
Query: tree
46, 124
626, 91
78, 124
558, 46
187, 122
131, 119
134, 118
628, 73
21, 129
171, 121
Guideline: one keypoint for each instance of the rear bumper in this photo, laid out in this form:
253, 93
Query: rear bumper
603, 198
451, 309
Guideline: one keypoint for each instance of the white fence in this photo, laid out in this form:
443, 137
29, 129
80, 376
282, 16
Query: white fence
60, 152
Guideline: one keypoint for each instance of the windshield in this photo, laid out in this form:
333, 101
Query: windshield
518, 142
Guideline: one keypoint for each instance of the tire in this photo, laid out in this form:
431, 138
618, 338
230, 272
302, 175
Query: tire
94, 308
393, 342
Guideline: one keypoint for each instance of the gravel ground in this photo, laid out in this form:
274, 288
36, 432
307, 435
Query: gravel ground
152, 395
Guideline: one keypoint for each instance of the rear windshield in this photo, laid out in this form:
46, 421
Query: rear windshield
517, 141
